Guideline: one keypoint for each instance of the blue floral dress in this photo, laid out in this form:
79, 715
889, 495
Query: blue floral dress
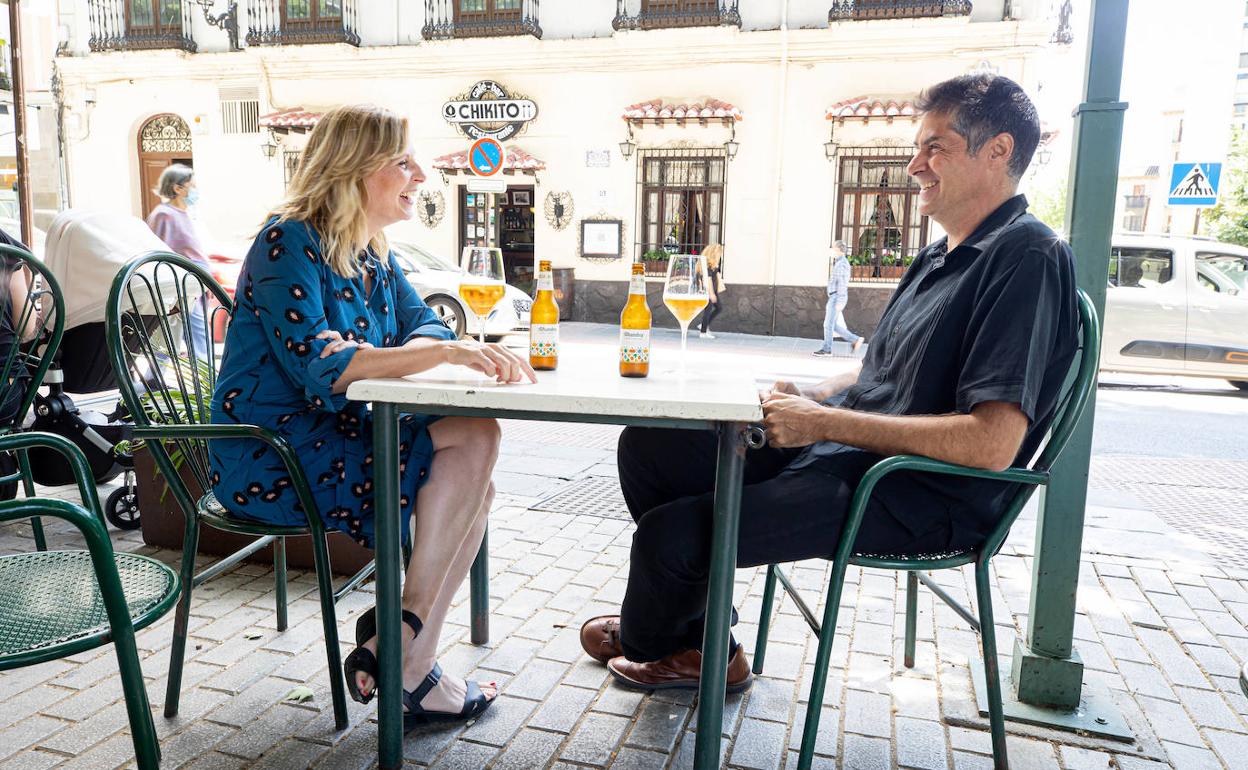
272, 375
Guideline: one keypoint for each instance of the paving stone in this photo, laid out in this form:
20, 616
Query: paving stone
1138, 763
266, 731
1214, 660
424, 744
915, 697
1191, 758
562, 709
964, 761
863, 753
192, 742
1028, 754
637, 759
868, 713
595, 739
288, 754
1145, 679
111, 753
1208, 709
529, 749
619, 700
33, 760
921, 744
829, 729
770, 699
249, 704
1177, 667
80, 736
1231, 747
1074, 758
658, 726
500, 722
759, 745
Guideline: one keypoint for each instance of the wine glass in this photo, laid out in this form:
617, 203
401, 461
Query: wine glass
482, 285
685, 293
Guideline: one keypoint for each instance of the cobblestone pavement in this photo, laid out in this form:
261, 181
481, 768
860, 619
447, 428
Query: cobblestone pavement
1160, 623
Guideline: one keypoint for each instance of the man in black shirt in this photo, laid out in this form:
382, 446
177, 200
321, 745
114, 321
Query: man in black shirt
966, 366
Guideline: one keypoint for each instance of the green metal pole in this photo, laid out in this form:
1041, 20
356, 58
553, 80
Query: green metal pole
389, 592
1046, 669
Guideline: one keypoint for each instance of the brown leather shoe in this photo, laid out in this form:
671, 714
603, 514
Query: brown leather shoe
680, 670
600, 638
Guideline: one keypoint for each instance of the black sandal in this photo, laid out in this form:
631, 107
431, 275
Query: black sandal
362, 660
475, 703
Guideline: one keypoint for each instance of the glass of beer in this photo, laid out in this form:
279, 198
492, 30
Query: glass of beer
482, 285
684, 293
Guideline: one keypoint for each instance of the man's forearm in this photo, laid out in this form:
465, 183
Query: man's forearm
833, 385
989, 437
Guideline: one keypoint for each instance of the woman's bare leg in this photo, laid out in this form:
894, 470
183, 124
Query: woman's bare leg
453, 506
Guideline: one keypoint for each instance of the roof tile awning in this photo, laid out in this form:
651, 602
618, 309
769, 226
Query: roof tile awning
517, 160
873, 108
290, 119
658, 111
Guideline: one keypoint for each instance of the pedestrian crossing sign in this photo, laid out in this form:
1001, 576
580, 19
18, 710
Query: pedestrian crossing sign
1195, 184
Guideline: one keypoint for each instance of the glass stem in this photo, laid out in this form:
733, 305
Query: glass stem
684, 340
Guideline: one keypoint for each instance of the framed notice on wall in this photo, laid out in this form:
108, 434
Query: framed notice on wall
602, 238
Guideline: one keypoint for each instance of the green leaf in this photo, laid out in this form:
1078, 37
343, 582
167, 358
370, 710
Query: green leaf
301, 694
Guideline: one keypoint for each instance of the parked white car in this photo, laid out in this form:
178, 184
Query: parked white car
1177, 305
437, 280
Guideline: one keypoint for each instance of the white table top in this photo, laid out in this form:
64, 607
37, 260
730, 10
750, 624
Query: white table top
587, 382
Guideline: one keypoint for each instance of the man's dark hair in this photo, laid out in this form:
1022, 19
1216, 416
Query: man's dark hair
983, 106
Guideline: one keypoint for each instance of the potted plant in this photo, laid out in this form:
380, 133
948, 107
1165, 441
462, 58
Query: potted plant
655, 261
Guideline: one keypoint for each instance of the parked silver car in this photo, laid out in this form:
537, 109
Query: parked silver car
1177, 305
437, 281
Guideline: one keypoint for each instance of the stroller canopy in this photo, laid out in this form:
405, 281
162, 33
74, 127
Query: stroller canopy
86, 250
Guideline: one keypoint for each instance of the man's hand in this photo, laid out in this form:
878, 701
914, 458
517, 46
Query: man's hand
784, 386
792, 420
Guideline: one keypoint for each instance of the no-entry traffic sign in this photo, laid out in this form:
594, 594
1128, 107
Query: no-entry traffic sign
486, 157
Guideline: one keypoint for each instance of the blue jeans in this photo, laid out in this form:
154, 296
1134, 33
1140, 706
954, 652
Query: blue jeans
834, 324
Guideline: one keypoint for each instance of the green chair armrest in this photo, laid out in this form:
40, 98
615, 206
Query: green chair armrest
14, 442
873, 476
279, 444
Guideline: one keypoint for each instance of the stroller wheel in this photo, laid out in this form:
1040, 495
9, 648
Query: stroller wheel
122, 508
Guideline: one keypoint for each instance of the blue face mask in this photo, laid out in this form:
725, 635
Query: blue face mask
192, 196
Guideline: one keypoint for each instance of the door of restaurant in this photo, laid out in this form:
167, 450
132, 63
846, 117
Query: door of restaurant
163, 140
504, 220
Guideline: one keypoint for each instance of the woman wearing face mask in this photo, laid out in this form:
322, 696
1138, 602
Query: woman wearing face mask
172, 223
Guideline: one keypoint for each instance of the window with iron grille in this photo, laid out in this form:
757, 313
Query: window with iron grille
877, 212
240, 109
682, 203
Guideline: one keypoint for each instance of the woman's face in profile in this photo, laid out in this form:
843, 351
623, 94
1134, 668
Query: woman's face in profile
391, 190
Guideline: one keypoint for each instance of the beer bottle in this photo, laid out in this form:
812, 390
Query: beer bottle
544, 322
635, 327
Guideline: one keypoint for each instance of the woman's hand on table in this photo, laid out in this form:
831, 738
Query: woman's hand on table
491, 359
337, 343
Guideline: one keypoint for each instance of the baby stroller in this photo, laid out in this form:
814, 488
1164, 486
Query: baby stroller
85, 250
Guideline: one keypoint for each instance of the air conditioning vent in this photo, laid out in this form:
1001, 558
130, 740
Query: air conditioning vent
240, 109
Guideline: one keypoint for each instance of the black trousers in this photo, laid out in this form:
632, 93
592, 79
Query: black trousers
708, 315
787, 514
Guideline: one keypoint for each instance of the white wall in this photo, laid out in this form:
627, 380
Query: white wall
780, 189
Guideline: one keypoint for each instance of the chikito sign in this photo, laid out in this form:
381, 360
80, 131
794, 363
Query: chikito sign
487, 110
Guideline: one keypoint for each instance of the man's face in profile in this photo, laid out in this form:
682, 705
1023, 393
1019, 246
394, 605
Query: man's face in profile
949, 179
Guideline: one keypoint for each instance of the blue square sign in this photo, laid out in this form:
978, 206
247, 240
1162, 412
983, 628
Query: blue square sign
1195, 184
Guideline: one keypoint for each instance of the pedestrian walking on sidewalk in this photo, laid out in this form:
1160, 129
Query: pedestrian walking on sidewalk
838, 298
172, 222
714, 254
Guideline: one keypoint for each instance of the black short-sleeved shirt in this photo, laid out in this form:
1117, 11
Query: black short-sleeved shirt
995, 319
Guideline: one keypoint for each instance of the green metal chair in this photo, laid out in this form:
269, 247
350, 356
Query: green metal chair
1077, 390
148, 345
60, 603
24, 365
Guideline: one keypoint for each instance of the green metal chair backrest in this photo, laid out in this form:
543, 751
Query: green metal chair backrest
151, 345
1076, 392
37, 324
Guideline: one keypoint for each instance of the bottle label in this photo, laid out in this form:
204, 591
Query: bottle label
543, 340
634, 346
545, 282
637, 285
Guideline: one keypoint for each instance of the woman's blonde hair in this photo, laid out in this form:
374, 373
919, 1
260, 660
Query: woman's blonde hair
347, 145
714, 253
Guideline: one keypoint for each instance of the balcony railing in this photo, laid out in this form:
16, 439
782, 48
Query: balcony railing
858, 10
1136, 201
149, 24
295, 22
658, 14
446, 19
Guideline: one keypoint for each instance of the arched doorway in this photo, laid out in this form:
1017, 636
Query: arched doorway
163, 140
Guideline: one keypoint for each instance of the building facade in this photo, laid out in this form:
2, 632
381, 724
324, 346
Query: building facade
632, 128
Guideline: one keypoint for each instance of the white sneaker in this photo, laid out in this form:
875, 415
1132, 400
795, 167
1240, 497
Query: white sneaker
707, 335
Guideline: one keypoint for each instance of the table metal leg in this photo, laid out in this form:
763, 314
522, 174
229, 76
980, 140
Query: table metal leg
389, 594
711, 693
479, 593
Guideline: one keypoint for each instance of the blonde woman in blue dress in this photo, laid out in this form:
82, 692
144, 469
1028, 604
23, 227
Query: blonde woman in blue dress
322, 303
